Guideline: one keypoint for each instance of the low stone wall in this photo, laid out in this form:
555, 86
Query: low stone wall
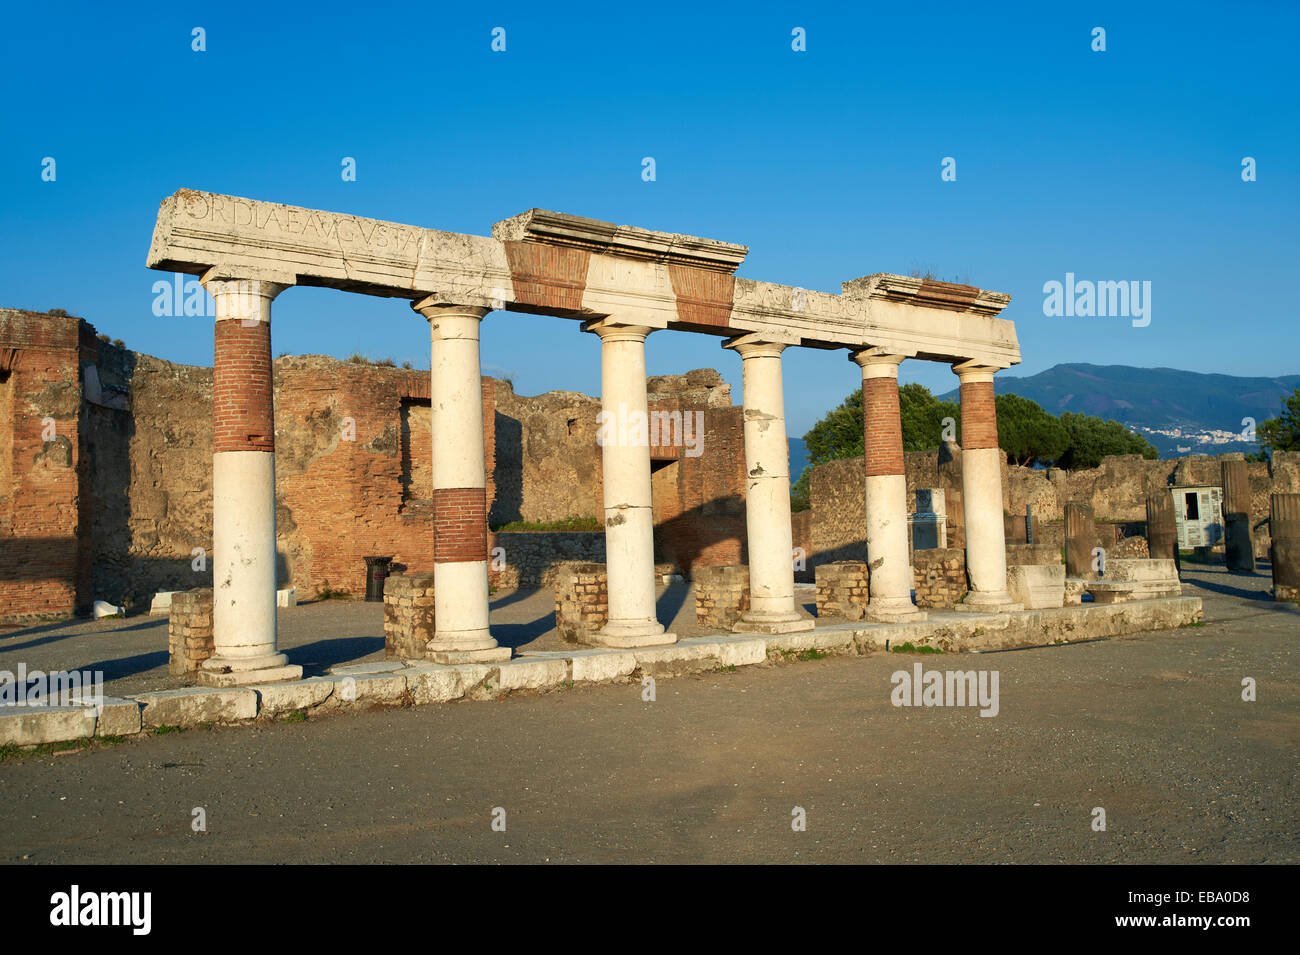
721, 596
939, 576
189, 630
531, 558
842, 589
408, 615
581, 600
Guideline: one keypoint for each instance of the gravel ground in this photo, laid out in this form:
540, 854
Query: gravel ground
1152, 728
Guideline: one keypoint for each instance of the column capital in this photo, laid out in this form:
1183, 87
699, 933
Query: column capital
264, 283
611, 330
877, 363
974, 371
755, 346
433, 306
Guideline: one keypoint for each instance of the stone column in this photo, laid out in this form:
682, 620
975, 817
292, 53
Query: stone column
1080, 539
981, 491
243, 483
1284, 550
629, 515
767, 492
460, 551
1162, 528
889, 566
1238, 544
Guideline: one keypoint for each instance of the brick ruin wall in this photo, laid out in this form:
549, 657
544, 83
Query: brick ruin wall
1116, 489
114, 504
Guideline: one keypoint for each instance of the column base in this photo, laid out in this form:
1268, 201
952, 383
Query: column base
632, 634
222, 672
486, 655
889, 615
774, 623
982, 602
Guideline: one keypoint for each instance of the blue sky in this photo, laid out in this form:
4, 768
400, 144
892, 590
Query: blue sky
1122, 165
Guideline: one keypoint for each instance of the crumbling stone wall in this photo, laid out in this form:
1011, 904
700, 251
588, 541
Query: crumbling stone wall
1116, 490
581, 600
939, 576
721, 596
842, 589
408, 616
548, 467
189, 630
532, 557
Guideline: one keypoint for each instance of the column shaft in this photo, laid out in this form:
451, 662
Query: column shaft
767, 492
243, 487
629, 514
981, 483
460, 552
888, 560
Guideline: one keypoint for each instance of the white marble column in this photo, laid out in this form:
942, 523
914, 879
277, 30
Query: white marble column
767, 492
243, 483
460, 568
629, 514
981, 491
889, 565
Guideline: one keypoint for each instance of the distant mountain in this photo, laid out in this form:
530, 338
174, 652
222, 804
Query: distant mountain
1180, 412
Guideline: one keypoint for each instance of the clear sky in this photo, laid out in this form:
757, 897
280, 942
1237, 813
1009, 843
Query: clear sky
1116, 165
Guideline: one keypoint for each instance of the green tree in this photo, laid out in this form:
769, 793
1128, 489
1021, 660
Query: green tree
1092, 438
1283, 432
1027, 433
922, 416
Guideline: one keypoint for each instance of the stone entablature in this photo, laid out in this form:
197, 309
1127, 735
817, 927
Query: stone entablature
571, 266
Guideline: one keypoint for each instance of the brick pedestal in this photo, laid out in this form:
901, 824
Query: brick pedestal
843, 589
721, 596
408, 616
189, 631
581, 601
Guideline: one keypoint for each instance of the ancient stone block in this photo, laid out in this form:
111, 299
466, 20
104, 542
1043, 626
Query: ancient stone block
1037, 586
721, 596
842, 589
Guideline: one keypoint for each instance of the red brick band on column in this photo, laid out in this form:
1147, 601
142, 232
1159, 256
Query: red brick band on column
459, 524
882, 431
979, 416
242, 388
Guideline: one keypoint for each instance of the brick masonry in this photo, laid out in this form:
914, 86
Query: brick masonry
581, 600
242, 398
939, 577
409, 621
721, 596
460, 524
189, 630
882, 433
979, 419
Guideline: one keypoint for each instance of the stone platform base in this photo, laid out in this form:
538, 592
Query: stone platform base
396, 683
248, 677
490, 655
773, 627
